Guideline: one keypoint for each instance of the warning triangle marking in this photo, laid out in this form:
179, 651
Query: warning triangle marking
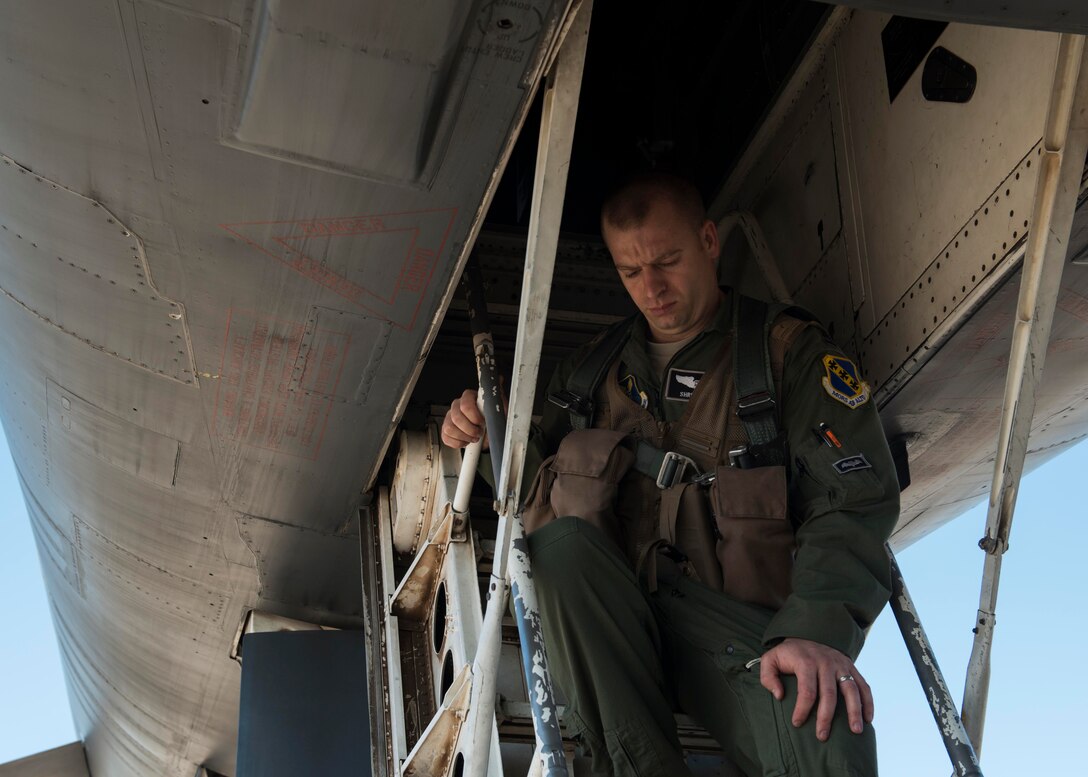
394, 283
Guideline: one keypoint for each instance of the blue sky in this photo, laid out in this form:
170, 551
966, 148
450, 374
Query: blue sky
1036, 694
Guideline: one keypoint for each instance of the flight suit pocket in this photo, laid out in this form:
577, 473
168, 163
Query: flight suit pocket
582, 479
840, 475
756, 541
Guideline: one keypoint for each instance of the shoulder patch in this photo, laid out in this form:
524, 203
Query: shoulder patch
852, 463
842, 381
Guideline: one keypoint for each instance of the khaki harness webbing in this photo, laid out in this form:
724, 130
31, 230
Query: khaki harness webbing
706, 432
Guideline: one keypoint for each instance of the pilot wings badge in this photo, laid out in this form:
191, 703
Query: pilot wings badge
843, 382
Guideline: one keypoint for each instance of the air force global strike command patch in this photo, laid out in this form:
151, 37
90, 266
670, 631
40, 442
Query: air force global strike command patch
843, 381
630, 385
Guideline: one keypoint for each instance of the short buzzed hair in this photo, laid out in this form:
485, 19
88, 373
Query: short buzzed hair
628, 204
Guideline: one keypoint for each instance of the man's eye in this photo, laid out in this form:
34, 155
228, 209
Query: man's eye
630, 273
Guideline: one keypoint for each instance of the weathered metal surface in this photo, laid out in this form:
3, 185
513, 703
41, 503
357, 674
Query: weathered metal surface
411, 497
306, 299
1059, 182
558, 119
419, 70
414, 596
953, 734
65, 276
1058, 15
935, 202
64, 761
436, 752
534, 656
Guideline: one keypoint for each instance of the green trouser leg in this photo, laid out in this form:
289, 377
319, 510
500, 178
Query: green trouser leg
621, 656
714, 638
604, 652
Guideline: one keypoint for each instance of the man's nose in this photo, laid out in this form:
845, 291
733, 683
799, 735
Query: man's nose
654, 282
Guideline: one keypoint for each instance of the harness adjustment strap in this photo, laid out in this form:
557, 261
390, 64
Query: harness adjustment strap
667, 468
759, 402
569, 400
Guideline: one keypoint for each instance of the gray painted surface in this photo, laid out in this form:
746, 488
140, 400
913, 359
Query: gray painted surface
1057, 15
64, 761
195, 407
228, 231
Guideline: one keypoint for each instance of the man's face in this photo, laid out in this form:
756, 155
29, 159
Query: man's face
669, 267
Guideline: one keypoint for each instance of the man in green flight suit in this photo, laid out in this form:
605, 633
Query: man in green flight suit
759, 650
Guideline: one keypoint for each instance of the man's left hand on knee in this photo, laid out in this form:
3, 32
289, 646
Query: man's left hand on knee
822, 673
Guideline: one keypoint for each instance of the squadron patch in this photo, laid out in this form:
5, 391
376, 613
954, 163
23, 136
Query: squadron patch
843, 381
630, 385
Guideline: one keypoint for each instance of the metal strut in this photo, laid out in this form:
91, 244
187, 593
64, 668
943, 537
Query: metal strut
1065, 141
509, 433
953, 734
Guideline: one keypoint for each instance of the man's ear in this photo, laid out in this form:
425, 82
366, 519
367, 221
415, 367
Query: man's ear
709, 236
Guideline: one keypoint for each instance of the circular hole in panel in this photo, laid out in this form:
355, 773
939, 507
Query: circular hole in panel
458, 766
447, 675
439, 624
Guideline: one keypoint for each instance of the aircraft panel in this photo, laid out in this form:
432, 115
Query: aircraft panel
365, 68
73, 80
75, 256
937, 162
309, 297
798, 208
65, 761
82, 427
1060, 15
950, 412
